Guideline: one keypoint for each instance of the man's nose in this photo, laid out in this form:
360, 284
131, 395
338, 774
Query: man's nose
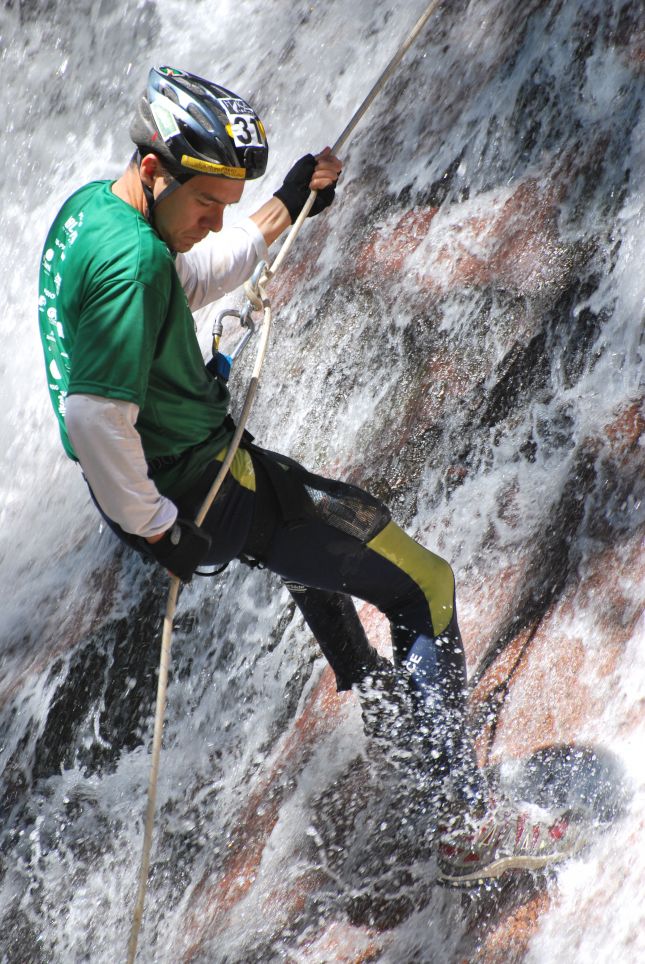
214, 220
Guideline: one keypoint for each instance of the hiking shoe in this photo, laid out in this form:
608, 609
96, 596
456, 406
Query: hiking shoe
505, 840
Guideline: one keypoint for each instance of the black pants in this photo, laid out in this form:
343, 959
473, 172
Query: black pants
330, 542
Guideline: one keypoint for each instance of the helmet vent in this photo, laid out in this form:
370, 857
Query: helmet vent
195, 87
201, 118
170, 93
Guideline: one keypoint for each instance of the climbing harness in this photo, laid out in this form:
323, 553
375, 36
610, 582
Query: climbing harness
256, 301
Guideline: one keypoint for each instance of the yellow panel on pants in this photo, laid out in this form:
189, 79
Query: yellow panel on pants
241, 468
430, 572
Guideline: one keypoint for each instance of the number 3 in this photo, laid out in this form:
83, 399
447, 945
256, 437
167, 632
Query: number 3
247, 136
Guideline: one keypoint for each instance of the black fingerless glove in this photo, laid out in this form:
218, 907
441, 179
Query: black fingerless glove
295, 190
182, 549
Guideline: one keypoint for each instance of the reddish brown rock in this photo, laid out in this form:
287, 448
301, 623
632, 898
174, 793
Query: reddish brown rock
508, 238
627, 428
507, 939
387, 247
552, 681
216, 894
343, 944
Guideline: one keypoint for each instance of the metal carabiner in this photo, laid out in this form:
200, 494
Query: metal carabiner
245, 316
218, 325
249, 324
246, 321
254, 301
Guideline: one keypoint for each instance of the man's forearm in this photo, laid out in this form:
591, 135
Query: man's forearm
272, 219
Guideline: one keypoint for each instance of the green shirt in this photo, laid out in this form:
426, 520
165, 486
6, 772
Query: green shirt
115, 322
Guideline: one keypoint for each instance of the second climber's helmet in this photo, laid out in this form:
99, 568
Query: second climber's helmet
197, 127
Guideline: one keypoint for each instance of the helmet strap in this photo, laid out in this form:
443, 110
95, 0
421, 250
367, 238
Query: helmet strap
151, 200
174, 184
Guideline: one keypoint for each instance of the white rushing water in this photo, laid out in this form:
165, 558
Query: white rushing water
462, 333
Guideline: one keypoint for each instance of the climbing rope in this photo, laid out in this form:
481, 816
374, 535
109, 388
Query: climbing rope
256, 300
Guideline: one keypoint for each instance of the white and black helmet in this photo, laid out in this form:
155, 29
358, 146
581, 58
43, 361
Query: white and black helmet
196, 127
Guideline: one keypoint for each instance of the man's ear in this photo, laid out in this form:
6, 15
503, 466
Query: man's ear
150, 168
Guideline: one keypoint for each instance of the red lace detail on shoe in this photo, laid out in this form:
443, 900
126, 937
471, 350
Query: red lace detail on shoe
447, 850
559, 828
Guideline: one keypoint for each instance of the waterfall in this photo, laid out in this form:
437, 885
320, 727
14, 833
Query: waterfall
462, 334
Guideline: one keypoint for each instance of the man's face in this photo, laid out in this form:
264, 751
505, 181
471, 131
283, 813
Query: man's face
197, 207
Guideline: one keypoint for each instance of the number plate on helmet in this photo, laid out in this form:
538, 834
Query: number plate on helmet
243, 126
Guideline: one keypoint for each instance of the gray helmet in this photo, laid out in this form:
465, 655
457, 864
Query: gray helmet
196, 127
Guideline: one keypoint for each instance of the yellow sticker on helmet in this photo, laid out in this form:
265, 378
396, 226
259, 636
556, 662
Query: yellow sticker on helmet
209, 167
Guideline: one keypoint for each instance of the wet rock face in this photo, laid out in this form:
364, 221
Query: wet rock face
483, 313
104, 693
98, 696
485, 298
459, 336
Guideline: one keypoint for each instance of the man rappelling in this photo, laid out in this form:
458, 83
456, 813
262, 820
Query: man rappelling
125, 265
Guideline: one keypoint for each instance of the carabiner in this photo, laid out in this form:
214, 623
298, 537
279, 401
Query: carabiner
252, 286
245, 316
218, 325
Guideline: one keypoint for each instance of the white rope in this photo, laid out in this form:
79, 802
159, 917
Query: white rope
257, 299
162, 686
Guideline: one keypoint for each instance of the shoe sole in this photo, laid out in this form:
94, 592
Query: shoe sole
503, 864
